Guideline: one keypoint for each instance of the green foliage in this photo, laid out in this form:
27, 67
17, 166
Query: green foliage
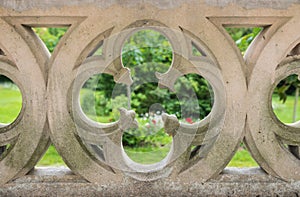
101, 82
146, 135
145, 91
191, 84
50, 36
243, 36
146, 46
10, 102
147, 154
87, 102
51, 158
118, 102
287, 87
102, 104
95, 103
284, 111
242, 158
145, 53
97, 106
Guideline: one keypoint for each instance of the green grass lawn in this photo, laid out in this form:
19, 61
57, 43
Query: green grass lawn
10, 106
148, 155
284, 111
51, 158
242, 158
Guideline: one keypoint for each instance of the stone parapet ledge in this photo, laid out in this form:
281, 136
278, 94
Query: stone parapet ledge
242, 88
23, 5
61, 181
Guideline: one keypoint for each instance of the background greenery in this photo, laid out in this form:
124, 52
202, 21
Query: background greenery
145, 53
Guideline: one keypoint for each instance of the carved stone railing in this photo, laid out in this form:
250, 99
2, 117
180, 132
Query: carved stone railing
242, 86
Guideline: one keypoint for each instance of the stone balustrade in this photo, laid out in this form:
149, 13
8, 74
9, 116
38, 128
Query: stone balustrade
242, 86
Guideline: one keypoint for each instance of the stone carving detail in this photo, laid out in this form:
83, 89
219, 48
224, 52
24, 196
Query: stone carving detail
242, 88
267, 137
100, 145
27, 138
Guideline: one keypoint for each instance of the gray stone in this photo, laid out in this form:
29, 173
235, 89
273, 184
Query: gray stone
242, 86
232, 182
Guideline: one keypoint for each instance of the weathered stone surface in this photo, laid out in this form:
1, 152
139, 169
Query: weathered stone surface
252, 4
23, 5
232, 182
28, 136
242, 95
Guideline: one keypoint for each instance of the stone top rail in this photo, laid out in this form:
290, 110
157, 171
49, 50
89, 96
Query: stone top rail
23, 5
242, 86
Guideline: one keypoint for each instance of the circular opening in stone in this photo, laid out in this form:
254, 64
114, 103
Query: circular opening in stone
191, 101
285, 104
145, 53
101, 97
285, 100
10, 101
148, 143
